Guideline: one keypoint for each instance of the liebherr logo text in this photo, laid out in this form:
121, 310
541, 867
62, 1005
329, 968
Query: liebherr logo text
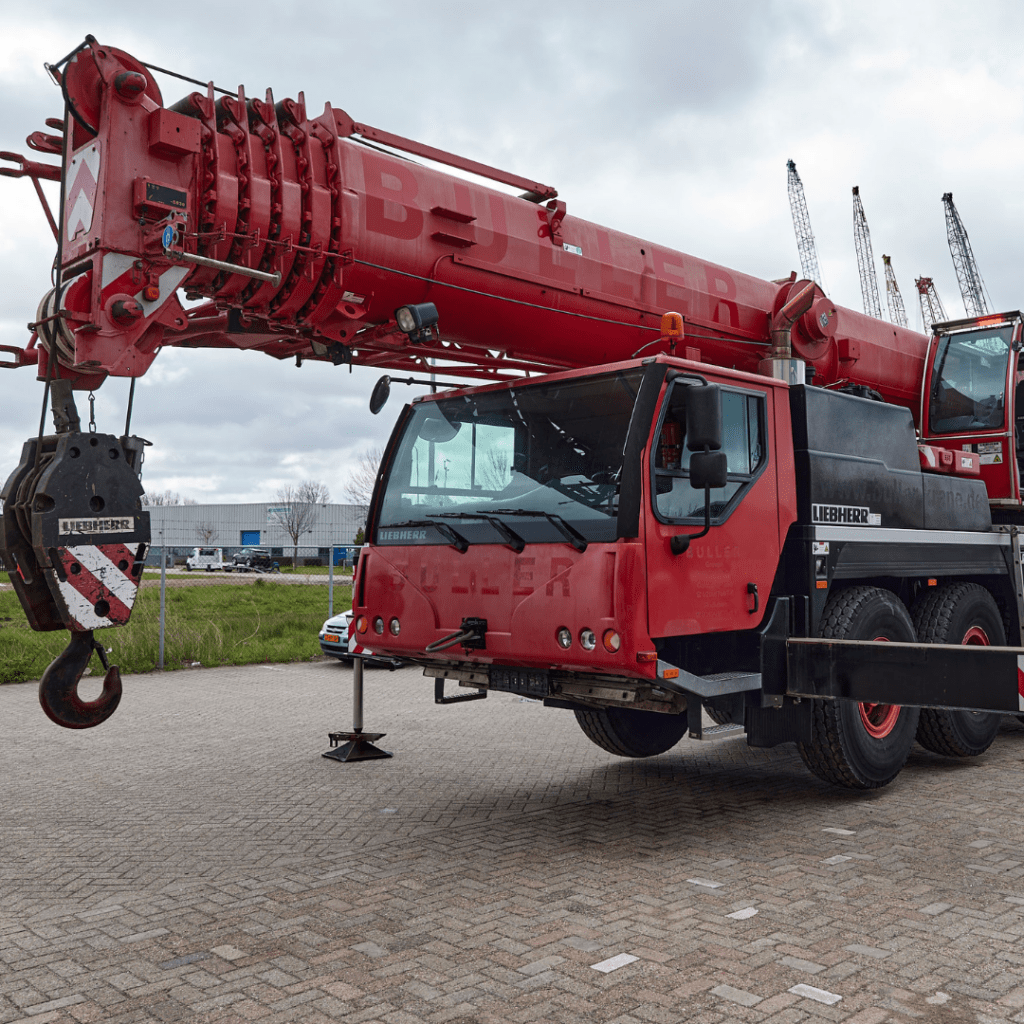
123, 524
403, 535
847, 514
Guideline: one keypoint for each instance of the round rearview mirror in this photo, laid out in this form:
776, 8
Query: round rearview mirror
438, 429
379, 395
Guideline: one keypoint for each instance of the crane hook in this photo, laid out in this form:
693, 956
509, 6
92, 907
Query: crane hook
58, 689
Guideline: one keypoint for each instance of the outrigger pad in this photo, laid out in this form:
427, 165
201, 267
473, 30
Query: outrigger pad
355, 746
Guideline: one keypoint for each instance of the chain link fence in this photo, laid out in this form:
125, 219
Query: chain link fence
202, 607
222, 606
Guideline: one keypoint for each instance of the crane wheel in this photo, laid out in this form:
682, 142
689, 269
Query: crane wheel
631, 733
860, 745
962, 613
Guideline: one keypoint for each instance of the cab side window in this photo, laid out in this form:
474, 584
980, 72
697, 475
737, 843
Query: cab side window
743, 441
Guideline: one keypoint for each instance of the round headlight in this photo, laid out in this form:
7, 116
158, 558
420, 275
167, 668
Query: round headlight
564, 637
587, 639
611, 640
361, 624
395, 626
378, 625
406, 321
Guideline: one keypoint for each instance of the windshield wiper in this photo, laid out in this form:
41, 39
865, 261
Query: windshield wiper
570, 533
511, 538
455, 538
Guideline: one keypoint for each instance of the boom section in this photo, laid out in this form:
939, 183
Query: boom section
295, 233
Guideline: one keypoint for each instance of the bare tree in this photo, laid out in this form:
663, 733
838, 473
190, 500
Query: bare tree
167, 497
360, 483
299, 510
495, 471
206, 531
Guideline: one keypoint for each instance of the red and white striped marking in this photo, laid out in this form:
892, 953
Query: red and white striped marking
119, 280
81, 187
354, 646
1020, 682
99, 588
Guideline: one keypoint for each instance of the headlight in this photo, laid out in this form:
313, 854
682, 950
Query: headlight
395, 626
587, 639
564, 637
378, 625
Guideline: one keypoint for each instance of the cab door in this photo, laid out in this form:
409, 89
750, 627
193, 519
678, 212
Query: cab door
722, 581
970, 398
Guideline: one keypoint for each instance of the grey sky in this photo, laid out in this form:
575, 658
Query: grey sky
671, 121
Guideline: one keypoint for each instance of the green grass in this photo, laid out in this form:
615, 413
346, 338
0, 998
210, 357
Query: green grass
314, 570
215, 624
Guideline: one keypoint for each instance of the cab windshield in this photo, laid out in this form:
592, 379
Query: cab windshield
969, 380
543, 459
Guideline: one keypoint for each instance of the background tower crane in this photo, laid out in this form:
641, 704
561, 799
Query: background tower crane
932, 310
802, 226
897, 311
865, 258
972, 288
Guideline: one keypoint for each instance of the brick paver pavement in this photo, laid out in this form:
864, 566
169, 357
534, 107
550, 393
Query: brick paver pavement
195, 859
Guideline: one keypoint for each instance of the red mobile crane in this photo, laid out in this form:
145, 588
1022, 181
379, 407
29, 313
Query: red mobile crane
670, 519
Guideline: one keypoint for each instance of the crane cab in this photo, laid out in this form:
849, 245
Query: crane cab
973, 400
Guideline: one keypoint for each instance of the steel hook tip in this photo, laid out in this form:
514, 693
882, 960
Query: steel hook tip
58, 689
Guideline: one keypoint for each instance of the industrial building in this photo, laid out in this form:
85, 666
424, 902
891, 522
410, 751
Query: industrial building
180, 528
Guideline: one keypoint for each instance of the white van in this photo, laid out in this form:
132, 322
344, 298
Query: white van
205, 558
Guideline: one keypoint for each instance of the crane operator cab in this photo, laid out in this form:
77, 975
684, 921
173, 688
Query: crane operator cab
975, 398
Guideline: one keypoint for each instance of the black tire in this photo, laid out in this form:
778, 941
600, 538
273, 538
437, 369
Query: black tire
630, 733
716, 716
861, 746
957, 614
188, 568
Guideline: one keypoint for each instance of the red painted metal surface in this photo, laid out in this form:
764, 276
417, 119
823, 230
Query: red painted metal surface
705, 589
355, 232
525, 599
637, 588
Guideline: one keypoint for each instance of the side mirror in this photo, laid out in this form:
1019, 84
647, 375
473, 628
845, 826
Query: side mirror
708, 469
379, 395
704, 419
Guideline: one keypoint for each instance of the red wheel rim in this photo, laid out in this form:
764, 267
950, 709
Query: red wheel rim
977, 637
880, 719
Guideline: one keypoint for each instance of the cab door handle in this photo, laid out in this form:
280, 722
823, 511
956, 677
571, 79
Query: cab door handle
752, 589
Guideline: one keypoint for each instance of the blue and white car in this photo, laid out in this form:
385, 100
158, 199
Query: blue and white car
334, 643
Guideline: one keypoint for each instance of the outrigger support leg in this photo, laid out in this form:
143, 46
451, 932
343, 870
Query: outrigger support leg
356, 745
58, 689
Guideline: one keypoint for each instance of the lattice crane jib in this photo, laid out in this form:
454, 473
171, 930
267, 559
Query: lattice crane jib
932, 309
897, 311
972, 287
802, 225
865, 258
